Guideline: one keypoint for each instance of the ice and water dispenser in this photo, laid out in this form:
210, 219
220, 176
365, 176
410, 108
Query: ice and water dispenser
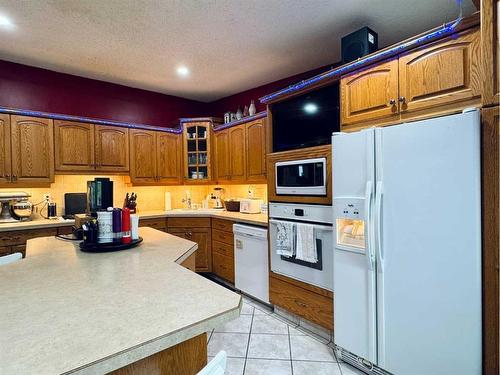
350, 220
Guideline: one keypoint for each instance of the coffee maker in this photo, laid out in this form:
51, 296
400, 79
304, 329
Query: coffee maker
99, 195
15, 206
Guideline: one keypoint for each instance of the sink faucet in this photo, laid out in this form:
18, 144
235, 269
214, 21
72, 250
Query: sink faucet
187, 199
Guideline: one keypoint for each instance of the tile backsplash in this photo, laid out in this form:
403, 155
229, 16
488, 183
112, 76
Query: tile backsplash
148, 197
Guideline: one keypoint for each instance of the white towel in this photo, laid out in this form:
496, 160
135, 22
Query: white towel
285, 236
305, 249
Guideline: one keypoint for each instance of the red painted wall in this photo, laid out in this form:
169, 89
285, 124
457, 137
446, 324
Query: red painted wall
231, 103
29, 88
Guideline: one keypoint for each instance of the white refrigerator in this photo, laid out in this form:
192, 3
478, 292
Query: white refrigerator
407, 247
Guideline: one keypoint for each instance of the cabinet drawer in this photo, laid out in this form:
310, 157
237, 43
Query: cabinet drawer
190, 222
223, 248
4, 250
221, 236
309, 305
65, 230
223, 266
19, 237
224, 225
160, 224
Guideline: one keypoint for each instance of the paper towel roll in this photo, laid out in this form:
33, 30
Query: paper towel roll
168, 201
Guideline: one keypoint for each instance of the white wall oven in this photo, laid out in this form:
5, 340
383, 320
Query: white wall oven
317, 271
301, 177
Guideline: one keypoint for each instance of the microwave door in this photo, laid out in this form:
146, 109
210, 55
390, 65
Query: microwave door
301, 177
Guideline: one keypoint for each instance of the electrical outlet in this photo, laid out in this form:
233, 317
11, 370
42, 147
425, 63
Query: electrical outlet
46, 196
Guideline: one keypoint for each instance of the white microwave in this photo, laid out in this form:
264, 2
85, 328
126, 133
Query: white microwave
301, 177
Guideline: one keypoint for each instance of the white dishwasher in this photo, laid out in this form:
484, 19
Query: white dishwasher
251, 261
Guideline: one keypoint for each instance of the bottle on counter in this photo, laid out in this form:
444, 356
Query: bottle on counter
117, 224
126, 235
134, 226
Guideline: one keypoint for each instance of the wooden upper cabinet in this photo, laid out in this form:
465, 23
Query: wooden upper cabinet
142, 156
32, 142
111, 148
370, 94
444, 74
255, 137
237, 153
74, 146
490, 51
169, 158
5, 162
222, 155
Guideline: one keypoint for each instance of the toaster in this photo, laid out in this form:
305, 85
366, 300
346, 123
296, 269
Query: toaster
250, 206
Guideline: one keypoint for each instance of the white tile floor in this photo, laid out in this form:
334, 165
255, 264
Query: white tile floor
262, 342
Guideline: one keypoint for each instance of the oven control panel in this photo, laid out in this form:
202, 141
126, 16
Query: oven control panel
301, 212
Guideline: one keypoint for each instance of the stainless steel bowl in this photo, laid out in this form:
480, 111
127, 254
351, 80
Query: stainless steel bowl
21, 210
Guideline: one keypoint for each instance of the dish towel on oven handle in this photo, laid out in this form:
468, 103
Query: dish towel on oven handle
285, 238
305, 248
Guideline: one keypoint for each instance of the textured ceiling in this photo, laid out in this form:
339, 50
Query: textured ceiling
229, 45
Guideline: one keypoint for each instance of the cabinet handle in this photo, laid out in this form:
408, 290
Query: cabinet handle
7, 177
392, 102
14, 177
402, 99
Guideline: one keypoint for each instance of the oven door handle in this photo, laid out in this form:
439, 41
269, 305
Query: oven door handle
316, 226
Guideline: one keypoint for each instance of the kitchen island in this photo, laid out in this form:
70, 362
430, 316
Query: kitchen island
132, 311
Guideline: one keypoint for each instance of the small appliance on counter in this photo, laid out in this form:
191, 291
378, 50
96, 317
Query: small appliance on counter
232, 205
15, 206
74, 203
99, 195
217, 198
250, 206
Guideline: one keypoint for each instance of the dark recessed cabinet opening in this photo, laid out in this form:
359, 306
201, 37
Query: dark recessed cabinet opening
307, 120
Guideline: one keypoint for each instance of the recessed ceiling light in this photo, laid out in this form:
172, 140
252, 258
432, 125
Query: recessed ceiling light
182, 71
6, 23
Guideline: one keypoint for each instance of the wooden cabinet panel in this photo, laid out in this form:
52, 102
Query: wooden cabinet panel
142, 156
224, 225
224, 237
159, 223
32, 149
222, 155
5, 250
111, 148
204, 240
193, 222
490, 172
5, 162
446, 73
255, 150
190, 262
314, 307
222, 248
370, 94
169, 158
19, 237
490, 51
223, 266
237, 153
74, 146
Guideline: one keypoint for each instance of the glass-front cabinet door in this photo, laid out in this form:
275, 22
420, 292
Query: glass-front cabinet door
197, 151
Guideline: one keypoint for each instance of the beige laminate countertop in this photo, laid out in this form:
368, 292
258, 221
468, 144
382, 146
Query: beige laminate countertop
255, 219
65, 311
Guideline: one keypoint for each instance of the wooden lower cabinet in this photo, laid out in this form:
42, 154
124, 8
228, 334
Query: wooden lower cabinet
312, 303
190, 262
196, 229
185, 358
223, 249
15, 241
156, 223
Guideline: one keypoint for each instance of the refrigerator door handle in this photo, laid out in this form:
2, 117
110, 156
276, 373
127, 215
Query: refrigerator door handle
370, 256
378, 225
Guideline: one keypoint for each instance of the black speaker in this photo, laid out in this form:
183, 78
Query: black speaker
358, 44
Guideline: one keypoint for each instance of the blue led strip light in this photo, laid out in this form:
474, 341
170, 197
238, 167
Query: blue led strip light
56, 116
442, 31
